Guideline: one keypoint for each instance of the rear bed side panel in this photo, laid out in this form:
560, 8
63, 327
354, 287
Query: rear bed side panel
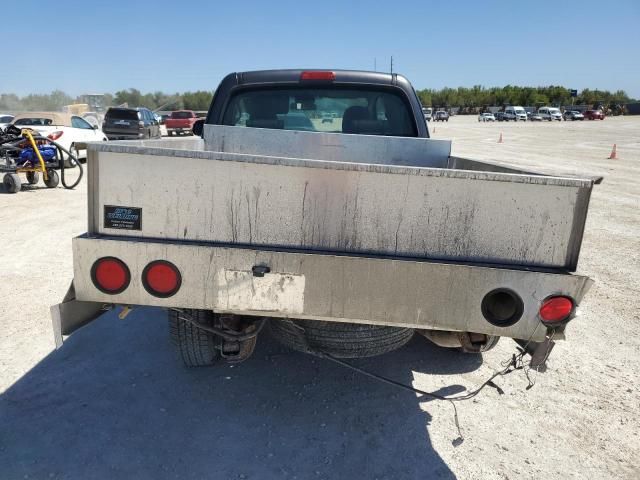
343, 207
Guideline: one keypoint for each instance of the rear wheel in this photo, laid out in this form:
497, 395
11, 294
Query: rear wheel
12, 182
72, 162
342, 340
195, 347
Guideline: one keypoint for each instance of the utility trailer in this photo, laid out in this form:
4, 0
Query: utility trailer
346, 243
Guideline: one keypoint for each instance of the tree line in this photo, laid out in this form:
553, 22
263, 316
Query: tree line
470, 99
54, 101
478, 97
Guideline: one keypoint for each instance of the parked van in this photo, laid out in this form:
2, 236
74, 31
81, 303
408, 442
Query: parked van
515, 114
550, 113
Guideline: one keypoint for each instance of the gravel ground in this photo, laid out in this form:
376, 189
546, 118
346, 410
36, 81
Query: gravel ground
115, 403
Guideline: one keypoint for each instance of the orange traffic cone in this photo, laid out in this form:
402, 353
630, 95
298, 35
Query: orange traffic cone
614, 153
500, 139
434, 129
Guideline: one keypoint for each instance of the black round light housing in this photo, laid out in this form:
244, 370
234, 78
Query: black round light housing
502, 307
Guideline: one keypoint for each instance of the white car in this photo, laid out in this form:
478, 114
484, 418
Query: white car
486, 117
5, 120
70, 131
550, 113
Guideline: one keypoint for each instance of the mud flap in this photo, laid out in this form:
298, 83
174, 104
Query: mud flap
72, 314
539, 352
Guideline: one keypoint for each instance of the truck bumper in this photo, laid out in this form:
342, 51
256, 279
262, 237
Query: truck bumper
410, 293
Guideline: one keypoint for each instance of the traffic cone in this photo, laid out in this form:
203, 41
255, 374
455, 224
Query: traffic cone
500, 139
434, 129
614, 153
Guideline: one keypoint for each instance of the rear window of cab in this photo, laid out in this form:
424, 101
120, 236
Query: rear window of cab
367, 111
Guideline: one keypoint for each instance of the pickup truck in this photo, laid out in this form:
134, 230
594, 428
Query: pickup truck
180, 122
344, 238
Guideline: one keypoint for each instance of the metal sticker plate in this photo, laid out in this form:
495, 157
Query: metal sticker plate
122, 218
274, 292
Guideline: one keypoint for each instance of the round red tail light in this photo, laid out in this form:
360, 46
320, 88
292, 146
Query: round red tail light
161, 278
555, 310
110, 275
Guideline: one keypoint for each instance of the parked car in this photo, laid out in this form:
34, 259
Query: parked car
180, 122
534, 117
441, 116
427, 112
573, 115
550, 113
5, 120
515, 114
486, 117
594, 115
72, 132
130, 123
499, 116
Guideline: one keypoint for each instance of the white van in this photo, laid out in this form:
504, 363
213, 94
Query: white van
515, 114
427, 112
550, 113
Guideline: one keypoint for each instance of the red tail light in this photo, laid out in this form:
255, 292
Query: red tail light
555, 310
110, 275
318, 75
161, 278
55, 135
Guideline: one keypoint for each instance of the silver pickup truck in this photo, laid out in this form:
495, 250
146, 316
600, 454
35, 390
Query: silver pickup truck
344, 237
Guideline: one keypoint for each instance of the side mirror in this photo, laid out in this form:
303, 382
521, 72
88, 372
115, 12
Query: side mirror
95, 127
198, 128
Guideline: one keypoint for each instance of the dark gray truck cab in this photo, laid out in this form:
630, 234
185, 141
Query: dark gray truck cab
237, 82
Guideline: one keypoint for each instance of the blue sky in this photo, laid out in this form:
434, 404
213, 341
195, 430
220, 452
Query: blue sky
104, 46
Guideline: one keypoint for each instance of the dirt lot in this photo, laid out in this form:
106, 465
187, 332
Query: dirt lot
114, 403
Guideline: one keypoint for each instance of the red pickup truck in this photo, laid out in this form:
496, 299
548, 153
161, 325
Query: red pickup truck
181, 121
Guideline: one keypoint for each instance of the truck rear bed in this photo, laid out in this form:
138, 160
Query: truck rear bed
349, 194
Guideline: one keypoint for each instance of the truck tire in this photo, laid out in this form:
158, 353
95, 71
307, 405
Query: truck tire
194, 346
341, 340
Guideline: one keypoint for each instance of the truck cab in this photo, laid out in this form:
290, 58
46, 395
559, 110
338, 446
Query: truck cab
360, 103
